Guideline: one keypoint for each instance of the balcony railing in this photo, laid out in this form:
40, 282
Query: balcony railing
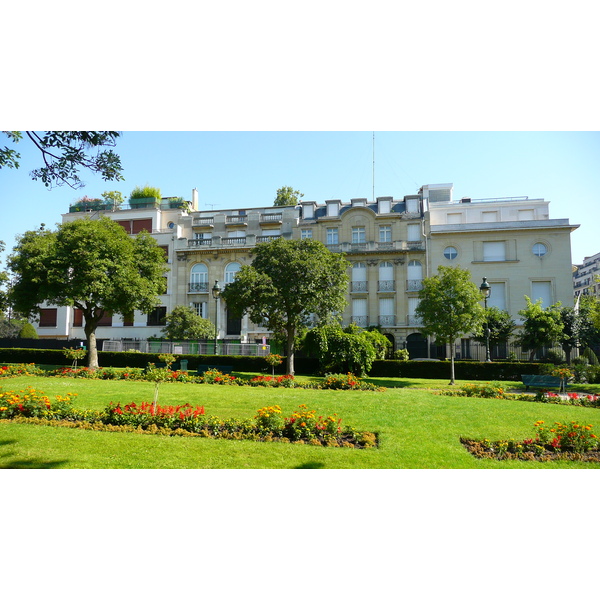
414, 320
198, 287
387, 320
266, 238
236, 219
386, 286
199, 242
361, 321
203, 221
414, 285
273, 218
359, 286
234, 241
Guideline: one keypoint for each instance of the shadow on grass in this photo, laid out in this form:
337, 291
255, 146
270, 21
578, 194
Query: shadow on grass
31, 463
311, 465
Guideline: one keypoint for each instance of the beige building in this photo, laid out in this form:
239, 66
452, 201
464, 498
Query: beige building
586, 277
391, 245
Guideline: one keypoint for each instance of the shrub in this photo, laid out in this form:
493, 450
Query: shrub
215, 376
33, 403
346, 382
402, 354
145, 192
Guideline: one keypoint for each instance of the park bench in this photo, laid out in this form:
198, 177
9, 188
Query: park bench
227, 369
542, 381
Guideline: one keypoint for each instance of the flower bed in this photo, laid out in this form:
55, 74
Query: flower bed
304, 426
562, 441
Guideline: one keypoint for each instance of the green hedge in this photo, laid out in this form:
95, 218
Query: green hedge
479, 371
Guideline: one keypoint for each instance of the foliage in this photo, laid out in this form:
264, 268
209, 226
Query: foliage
33, 403
401, 354
287, 196
273, 360
92, 265
145, 192
589, 321
541, 326
145, 415
28, 332
184, 324
348, 381
114, 198
215, 376
566, 436
64, 153
555, 356
286, 381
288, 282
75, 354
449, 306
500, 324
18, 370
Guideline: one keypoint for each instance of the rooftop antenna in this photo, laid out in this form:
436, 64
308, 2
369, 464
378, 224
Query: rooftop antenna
211, 205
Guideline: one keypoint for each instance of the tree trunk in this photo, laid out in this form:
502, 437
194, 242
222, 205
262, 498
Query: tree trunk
291, 337
91, 323
452, 380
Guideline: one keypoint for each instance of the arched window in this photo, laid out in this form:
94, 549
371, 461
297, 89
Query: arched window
414, 276
199, 278
230, 270
386, 277
359, 277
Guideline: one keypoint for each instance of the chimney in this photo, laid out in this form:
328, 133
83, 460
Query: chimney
194, 199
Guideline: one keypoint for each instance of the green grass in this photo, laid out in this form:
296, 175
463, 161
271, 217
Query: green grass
417, 429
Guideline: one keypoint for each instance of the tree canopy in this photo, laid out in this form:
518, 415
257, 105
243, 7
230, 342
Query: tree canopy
500, 324
92, 265
449, 305
184, 324
289, 282
287, 196
541, 326
64, 153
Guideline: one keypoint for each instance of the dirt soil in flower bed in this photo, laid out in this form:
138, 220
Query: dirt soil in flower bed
479, 450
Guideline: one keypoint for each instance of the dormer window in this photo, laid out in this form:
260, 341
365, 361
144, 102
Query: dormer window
308, 211
358, 202
333, 208
384, 205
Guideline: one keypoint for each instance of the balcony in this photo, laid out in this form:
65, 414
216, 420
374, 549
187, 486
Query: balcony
199, 242
203, 222
200, 287
414, 320
266, 238
234, 241
386, 286
359, 286
414, 285
271, 218
361, 321
236, 220
387, 320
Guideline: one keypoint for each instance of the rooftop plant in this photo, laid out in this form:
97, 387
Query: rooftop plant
145, 192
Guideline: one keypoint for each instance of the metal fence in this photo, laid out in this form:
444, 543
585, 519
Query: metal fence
162, 347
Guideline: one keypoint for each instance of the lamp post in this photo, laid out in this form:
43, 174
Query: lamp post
486, 289
216, 292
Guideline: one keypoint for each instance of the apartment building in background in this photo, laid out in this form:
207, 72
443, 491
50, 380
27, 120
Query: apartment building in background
586, 277
391, 245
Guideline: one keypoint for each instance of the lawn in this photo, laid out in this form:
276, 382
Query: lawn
416, 427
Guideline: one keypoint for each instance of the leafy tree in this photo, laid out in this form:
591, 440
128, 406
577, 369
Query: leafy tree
93, 265
500, 324
449, 305
64, 153
3, 280
114, 198
541, 326
589, 321
28, 332
571, 330
184, 324
288, 282
287, 196
349, 350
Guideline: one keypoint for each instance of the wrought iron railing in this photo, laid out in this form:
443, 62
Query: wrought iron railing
199, 287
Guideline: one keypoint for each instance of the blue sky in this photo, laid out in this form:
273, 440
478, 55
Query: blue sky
234, 169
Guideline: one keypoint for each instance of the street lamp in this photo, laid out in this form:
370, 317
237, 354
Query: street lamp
216, 292
486, 289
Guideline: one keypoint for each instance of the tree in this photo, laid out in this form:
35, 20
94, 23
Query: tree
348, 350
28, 332
184, 324
288, 282
3, 280
571, 330
449, 305
541, 326
589, 321
92, 265
64, 153
287, 196
500, 324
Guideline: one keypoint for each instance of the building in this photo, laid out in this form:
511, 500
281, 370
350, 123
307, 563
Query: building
391, 245
586, 277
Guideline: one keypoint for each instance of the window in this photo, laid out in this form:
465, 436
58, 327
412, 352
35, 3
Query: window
230, 271
332, 235
105, 319
386, 307
333, 209
385, 233
308, 211
386, 271
48, 317
165, 249
497, 295
200, 308
494, 251
358, 235
412, 205
77, 317
543, 290
136, 225
306, 234
414, 276
359, 312
450, 252
539, 249
414, 232
384, 206
128, 319
157, 316
359, 277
